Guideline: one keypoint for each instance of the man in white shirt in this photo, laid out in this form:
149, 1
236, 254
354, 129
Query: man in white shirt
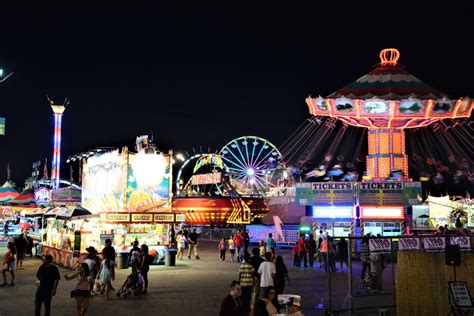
267, 271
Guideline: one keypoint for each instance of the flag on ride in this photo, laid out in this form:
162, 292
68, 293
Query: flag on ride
2, 126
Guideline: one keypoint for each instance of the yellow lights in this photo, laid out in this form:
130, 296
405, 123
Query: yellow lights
389, 57
58, 109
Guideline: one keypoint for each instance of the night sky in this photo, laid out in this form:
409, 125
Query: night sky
201, 75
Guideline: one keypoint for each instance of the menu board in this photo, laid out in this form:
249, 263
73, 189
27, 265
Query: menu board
325, 193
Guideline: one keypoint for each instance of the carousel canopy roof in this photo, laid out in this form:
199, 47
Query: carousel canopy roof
7, 192
26, 197
389, 81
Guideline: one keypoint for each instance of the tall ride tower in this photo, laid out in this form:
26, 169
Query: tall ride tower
58, 110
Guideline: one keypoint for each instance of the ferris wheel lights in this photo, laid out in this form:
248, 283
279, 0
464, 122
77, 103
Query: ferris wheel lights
180, 157
250, 172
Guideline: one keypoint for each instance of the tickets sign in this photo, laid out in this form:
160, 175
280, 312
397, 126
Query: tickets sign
409, 244
389, 193
464, 242
379, 245
325, 193
434, 243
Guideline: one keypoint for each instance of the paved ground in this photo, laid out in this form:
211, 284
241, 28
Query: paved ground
190, 288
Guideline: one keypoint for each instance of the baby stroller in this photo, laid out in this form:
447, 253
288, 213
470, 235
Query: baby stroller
132, 285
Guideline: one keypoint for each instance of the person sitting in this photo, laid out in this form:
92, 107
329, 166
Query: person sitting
134, 282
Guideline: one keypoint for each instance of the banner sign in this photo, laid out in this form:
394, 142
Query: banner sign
389, 193
115, 217
434, 243
77, 243
142, 218
2, 126
460, 294
207, 178
42, 196
164, 218
464, 242
325, 193
409, 244
470, 216
379, 244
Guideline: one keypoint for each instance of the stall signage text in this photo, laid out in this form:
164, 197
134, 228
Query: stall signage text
115, 217
464, 242
168, 218
460, 293
432, 243
378, 244
325, 193
180, 217
381, 185
207, 178
142, 218
409, 244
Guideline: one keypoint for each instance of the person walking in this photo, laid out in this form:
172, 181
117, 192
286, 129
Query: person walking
81, 291
267, 305
270, 241
302, 251
239, 244
9, 264
256, 260
246, 238
261, 247
181, 241
108, 251
296, 256
342, 255
193, 244
47, 279
106, 275
222, 248
231, 304
231, 248
145, 260
310, 244
267, 271
92, 262
281, 275
21, 243
246, 279
365, 258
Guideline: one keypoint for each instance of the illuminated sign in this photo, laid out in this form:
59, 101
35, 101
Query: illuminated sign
180, 217
207, 178
325, 193
148, 218
382, 212
389, 193
166, 218
42, 196
209, 159
115, 217
332, 212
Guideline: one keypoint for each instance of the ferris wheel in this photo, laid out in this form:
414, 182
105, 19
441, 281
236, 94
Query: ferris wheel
251, 161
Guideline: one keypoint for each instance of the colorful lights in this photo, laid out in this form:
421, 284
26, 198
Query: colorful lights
58, 110
389, 57
382, 212
333, 212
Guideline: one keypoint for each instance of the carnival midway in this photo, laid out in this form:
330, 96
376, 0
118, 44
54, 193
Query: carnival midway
356, 204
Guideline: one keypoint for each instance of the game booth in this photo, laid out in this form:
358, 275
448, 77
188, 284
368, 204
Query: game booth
330, 206
382, 206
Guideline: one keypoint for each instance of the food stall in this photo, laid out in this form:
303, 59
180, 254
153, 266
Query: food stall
382, 206
331, 206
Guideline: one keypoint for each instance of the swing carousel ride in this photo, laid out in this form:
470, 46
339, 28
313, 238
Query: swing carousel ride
228, 187
387, 101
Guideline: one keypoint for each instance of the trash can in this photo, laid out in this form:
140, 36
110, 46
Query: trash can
122, 260
170, 257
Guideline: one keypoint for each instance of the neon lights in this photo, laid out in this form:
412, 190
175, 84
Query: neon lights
332, 212
382, 212
389, 57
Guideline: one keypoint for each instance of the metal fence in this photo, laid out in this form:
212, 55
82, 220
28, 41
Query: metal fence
371, 269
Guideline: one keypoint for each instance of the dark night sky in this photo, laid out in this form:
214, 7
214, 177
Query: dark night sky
201, 75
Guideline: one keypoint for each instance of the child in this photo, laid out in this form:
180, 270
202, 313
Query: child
9, 264
222, 248
231, 248
261, 246
296, 257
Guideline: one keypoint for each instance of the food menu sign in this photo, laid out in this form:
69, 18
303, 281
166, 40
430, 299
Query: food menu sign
325, 193
389, 193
